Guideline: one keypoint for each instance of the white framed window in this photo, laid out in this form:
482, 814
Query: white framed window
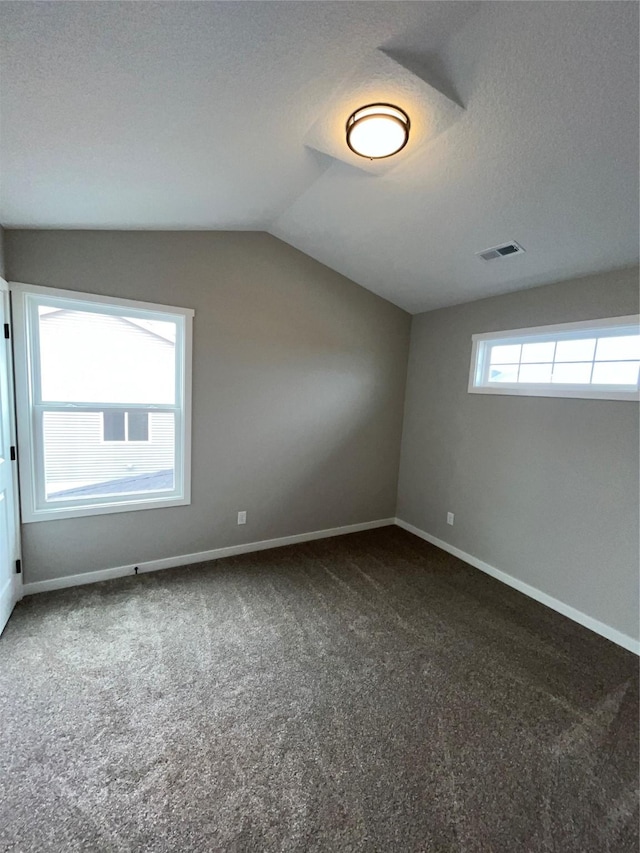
103, 395
594, 359
120, 425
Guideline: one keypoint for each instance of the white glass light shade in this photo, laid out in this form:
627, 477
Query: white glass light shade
377, 131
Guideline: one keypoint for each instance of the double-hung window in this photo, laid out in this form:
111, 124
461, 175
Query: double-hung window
103, 389
596, 359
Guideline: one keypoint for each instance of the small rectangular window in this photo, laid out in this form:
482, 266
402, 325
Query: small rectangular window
103, 394
596, 359
125, 426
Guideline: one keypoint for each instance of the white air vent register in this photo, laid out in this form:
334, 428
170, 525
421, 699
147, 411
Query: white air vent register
505, 250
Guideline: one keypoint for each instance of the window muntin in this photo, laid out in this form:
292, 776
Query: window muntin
103, 402
594, 359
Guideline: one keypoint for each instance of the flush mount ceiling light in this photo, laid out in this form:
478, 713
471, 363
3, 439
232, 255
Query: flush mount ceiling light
377, 131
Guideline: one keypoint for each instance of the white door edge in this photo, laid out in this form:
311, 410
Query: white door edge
11, 587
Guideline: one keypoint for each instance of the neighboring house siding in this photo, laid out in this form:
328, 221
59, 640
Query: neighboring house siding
75, 453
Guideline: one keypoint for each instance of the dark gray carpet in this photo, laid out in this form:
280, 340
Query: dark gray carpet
365, 693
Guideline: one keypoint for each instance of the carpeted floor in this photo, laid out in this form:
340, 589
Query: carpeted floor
364, 693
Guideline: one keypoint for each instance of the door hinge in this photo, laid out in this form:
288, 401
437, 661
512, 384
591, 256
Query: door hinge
18, 567
12, 453
7, 331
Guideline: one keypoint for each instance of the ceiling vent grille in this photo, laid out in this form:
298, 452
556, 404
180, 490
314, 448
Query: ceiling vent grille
505, 250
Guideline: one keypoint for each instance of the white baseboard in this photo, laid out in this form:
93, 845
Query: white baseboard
607, 631
199, 557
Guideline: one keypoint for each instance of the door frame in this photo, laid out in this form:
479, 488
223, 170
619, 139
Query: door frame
17, 582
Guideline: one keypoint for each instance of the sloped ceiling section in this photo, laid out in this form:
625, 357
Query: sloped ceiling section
545, 152
384, 79
232, 115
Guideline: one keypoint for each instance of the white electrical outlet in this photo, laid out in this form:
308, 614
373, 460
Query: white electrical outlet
242, 517
450, 518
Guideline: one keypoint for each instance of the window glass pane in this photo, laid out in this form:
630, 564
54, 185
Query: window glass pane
572, 374
113, 425
625, 346
89, 357
580, 350
138, 426
535, 373
540, 352
504, 373
598, 359
615, 373
78, 464
505, 354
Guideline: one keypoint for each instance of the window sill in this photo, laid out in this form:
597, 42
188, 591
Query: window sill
586, 393
59, 513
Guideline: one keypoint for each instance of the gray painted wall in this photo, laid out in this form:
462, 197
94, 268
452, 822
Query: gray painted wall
299, 378
543, 489
2, 270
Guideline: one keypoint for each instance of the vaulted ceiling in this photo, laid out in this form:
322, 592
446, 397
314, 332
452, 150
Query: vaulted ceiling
230, 115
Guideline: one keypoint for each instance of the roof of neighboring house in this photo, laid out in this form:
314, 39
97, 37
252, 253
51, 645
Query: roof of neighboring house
139, 483
138, 322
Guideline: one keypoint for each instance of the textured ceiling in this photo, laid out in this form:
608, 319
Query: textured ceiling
209, 115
